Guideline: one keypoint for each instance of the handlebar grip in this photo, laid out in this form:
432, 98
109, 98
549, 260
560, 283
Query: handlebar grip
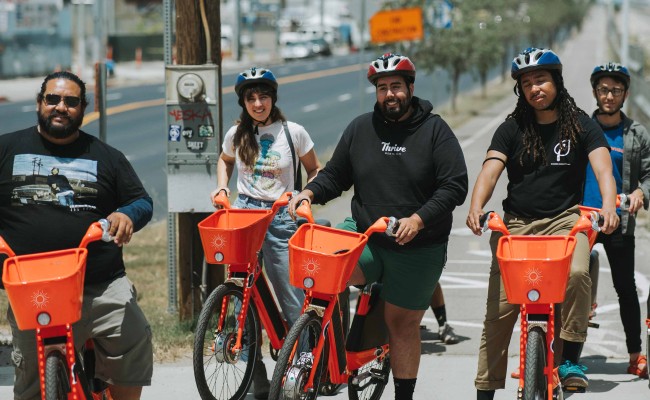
106, 225
483, 220
392, 226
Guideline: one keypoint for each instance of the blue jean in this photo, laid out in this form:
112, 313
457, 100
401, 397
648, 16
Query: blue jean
275, 253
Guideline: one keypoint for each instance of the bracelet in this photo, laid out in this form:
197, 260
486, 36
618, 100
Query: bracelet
494, 158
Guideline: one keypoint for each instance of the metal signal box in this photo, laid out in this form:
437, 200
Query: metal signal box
192, 132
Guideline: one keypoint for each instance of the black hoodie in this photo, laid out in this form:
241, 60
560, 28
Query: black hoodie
397, 169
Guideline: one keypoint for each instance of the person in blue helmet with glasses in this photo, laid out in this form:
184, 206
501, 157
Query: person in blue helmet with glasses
268, 152
630, 154
545, 145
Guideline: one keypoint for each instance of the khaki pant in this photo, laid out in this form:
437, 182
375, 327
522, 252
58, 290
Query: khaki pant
500, 317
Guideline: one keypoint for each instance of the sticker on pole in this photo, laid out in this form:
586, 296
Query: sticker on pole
396, 25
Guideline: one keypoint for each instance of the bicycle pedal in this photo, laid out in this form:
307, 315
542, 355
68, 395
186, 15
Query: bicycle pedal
574, 389
595, 325
423, 327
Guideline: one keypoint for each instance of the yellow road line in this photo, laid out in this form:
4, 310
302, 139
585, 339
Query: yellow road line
94, 116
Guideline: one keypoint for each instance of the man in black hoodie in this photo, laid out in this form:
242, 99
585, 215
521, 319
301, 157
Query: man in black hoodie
404, 162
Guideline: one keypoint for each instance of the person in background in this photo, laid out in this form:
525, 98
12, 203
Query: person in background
267, 151
110, 315
630, 154
544, 144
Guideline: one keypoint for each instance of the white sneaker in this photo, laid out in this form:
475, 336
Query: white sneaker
447, 334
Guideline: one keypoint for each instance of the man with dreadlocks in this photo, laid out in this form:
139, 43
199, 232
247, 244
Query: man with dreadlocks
544, 144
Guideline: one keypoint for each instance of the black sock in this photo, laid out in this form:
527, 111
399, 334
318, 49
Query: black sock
404, 388
571, 351
484, 394
441, 314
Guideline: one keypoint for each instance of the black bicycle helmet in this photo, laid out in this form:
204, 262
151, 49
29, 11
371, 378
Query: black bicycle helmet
391, 64
253, 76
533, 58
612, 69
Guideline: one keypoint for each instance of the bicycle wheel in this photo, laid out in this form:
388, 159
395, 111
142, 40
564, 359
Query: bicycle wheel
368, 382
293, 368
219, 372
57, 384
535, 383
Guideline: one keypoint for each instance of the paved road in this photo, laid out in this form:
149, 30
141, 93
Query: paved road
447, 372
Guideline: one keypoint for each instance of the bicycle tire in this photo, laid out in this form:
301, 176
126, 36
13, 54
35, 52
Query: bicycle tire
219, 374
304, 335
535, 383
57, 383
373, 382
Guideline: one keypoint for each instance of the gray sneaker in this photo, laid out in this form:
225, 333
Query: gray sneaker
447, 334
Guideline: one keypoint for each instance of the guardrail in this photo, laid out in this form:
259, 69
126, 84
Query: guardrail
639, 99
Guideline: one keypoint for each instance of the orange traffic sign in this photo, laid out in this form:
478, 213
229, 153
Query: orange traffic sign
396, 25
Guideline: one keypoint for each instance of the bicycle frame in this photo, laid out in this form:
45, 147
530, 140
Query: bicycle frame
535, 312
38, 275
249, 276
340, 361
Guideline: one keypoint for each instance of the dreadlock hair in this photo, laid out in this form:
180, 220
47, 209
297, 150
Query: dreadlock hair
567, 122
244, 139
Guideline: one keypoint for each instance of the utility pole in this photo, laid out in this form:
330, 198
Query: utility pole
198, 42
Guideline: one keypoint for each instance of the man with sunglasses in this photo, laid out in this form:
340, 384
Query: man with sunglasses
109, 187
630, 153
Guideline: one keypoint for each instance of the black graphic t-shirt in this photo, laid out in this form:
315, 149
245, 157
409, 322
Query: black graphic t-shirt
536, 190
50, 194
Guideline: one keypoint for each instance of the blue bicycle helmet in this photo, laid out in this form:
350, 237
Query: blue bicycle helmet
533, 58
615, 70
255, 75
391, 64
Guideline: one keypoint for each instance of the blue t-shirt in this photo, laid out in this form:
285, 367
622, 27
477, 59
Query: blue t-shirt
614, 136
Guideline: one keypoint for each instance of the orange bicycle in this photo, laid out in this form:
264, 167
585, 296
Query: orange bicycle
535, 271
45, 291
321, 261
228, 334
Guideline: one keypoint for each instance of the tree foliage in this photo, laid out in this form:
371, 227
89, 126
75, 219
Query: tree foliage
487, 34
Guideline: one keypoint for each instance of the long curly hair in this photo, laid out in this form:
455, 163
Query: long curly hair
244, 140
567, 122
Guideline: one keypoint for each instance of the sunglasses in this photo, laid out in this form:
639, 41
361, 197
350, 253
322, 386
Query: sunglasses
55, 99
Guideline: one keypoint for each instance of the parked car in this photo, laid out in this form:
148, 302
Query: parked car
294, 50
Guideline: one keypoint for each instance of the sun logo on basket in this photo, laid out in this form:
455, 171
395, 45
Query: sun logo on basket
40, 299
533, 276
218, 242
311, 267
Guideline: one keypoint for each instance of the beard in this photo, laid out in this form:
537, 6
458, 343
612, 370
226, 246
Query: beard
396, 112
59, 131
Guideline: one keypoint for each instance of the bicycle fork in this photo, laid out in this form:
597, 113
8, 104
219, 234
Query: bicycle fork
542, 316
58, 339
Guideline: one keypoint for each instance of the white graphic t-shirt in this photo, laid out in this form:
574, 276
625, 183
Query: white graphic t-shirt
273, 172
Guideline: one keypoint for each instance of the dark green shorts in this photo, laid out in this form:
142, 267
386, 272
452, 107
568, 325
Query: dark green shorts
409, 275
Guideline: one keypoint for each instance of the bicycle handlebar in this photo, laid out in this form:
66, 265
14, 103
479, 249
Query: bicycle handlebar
592, 220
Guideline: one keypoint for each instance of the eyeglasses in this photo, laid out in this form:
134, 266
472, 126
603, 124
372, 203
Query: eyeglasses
55, 99
616, 92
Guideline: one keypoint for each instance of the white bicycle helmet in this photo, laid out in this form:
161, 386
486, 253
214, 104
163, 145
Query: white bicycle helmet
391, 64
533, 58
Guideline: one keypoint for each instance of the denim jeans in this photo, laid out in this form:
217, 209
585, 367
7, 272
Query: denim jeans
275, 253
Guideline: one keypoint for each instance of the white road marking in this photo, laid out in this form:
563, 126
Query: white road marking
310, 108
31, 108
345, 97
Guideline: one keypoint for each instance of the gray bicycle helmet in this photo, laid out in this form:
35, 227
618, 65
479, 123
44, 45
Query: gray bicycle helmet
612, 69
533, 58
391, 64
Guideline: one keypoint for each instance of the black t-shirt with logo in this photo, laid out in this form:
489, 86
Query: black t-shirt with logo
536, 190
